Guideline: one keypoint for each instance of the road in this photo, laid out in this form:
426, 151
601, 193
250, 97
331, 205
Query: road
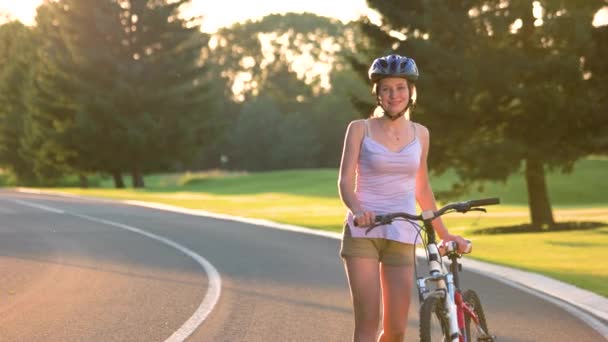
76, 269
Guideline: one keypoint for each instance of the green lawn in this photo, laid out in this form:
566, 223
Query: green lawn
309, 198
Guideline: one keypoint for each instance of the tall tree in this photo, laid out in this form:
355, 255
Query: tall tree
134, 85
170, 96
17, 46
597, 64
71, 100
502, 85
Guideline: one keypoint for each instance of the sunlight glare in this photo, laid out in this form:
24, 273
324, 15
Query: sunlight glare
216, 15
22, 10
517, 25
601, 17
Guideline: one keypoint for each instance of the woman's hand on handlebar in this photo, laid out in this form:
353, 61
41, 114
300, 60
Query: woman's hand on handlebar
364, 218
460, 241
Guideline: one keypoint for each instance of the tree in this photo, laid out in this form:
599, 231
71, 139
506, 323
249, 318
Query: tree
134, 84
255, 135
253, 53
597, 62
265, 58
297, 144
16, 57
71, 100
170, 101
502, 85
330, 113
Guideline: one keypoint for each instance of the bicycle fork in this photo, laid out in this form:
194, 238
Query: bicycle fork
445, 282
450, 307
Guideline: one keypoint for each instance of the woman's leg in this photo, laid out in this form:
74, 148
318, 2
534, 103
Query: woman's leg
364, 281
396, 293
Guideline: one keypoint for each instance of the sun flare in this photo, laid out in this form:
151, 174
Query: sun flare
22, 10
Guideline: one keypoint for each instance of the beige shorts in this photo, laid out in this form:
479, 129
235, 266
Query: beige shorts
385, 251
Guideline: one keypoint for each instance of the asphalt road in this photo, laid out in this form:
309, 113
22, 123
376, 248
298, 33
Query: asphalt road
66, 275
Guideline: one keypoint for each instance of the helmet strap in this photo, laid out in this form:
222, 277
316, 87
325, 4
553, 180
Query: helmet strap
400, 114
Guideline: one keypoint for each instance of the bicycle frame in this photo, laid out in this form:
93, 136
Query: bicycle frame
464, 307
455, 313
447, 286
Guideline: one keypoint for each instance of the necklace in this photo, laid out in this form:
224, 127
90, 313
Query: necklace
393, 135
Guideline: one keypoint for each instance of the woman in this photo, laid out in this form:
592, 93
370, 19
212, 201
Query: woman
384, 169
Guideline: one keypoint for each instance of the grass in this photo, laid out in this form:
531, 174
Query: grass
585, 187
309, 198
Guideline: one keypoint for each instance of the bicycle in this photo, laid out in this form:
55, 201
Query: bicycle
447, 313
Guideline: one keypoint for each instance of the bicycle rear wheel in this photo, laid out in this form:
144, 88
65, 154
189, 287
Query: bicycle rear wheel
475, 331
433, 321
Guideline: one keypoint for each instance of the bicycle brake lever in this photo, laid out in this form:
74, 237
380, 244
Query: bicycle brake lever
478, 209
382, 221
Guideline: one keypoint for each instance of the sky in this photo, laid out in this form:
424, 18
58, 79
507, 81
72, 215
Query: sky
218, 14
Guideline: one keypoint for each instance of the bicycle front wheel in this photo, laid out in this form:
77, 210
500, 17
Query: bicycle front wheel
476, 329
433, 321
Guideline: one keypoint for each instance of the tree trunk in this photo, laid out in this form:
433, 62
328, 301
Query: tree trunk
118, 182
84, 181
538, 196
137, 178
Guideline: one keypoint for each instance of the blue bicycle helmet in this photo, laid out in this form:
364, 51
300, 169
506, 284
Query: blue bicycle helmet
393, 66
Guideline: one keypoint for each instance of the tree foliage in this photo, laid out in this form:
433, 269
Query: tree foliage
284, 59
17, 46
118, 85
503, 84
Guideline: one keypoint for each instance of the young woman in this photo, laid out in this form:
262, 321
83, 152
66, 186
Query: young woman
384, 169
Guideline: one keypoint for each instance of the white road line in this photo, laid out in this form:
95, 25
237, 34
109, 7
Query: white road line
254, 221
40, 206
214, 279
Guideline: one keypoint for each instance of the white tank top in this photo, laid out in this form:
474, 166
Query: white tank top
386, 182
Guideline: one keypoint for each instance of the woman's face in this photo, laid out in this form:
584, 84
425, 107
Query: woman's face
394, 94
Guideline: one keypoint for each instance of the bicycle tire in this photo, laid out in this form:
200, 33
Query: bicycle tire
433, 321
471, 298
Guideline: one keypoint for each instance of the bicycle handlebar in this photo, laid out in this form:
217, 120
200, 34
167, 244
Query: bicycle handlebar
461, 207
485, 201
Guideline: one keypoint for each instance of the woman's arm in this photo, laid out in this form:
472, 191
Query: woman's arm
424, 193
348, 168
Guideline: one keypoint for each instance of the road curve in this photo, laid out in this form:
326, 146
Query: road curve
69, 279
